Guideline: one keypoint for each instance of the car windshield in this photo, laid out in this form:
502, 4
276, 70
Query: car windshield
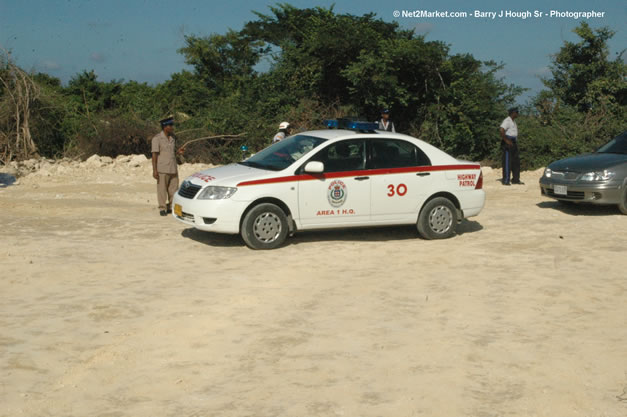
284, 153
616, 145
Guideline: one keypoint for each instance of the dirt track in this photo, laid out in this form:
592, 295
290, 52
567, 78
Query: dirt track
109, 310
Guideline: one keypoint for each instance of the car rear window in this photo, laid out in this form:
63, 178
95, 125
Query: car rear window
392, 153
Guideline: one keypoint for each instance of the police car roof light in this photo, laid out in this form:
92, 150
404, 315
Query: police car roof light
331, 124
366, 126
351, 125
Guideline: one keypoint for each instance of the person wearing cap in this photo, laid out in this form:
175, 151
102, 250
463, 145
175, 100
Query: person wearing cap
385, 123
509, 146
164, 165
284, 131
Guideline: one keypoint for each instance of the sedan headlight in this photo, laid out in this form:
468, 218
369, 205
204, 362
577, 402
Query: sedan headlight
548, 172
604, 175
216, 193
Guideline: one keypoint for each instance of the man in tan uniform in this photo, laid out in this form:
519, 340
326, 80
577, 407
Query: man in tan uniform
164, 166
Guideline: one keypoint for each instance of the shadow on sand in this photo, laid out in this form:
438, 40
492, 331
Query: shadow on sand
365, 234
576, 209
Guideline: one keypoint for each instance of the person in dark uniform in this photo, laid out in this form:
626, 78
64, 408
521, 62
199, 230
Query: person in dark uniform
164, 165
509, 146
385, 123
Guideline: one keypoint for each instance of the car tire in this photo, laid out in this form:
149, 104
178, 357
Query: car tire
264, 227
622, 206
437, 219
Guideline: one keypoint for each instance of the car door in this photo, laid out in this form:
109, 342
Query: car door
339, 195
399, 185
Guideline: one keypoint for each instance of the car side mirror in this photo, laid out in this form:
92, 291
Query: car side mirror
314, 167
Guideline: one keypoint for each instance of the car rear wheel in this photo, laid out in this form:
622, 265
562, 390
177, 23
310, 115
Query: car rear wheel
438, 219
264, 227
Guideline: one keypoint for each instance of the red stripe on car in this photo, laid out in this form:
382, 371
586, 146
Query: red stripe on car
383, 171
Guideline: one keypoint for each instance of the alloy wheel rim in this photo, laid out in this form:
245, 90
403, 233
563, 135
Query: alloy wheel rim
267, 227
440, 219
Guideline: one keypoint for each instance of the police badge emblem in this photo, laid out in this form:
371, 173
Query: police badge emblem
337, 193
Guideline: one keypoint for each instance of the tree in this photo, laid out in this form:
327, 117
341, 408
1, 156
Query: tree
223, 62
183, 92
452, 101
91, 95
585, 104
312, 47
583, 75
353, 64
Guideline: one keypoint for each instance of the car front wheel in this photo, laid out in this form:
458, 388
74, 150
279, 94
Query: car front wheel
438, 219
264, 227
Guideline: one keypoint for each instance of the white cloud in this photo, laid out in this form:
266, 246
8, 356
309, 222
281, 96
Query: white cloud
50, 65
97, 57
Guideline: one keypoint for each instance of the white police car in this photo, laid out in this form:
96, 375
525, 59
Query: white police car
334, 178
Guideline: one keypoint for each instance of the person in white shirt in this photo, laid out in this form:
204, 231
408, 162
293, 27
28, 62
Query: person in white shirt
385, 123
284, 131
509, 146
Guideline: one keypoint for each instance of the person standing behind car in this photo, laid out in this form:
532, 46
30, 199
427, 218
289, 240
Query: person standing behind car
284, 131
509, 146
164, 166
385, 123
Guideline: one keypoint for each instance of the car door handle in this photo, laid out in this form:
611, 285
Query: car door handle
423, 174
362, 178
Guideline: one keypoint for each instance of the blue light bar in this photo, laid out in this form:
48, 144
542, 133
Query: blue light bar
331, 124
351, 125
363, 126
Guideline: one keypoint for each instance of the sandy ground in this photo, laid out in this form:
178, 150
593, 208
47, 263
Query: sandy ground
108, 309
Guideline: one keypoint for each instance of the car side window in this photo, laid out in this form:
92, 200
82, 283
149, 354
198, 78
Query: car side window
346, 155
392, 153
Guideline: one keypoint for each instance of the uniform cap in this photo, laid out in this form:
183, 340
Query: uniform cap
168, 121
284, 125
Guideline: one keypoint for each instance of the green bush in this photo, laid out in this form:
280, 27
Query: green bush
111, 135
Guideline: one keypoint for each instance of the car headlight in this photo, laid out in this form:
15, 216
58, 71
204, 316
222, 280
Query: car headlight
216, 193
548, 172
604, 175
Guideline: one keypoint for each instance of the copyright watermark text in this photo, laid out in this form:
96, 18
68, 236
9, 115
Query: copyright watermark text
499, 14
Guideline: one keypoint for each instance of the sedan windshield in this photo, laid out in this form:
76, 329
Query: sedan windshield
616, 145
284, 153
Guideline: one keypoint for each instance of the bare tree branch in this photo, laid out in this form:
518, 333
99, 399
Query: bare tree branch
239, 135
23, 91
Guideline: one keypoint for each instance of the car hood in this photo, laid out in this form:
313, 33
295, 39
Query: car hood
228, 175
589, 162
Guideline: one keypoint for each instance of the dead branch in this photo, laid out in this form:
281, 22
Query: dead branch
23, 91
238, 136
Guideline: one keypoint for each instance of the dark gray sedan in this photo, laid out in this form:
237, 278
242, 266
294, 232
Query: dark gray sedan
599, 177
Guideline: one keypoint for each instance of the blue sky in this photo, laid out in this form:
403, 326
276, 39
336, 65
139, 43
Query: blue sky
138, 39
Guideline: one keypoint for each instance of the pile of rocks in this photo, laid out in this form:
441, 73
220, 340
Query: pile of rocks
45, 167
95, 168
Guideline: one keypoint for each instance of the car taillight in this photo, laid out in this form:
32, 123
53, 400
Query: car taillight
480, 181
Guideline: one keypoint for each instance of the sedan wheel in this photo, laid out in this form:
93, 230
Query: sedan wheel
264, 227
437, 219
